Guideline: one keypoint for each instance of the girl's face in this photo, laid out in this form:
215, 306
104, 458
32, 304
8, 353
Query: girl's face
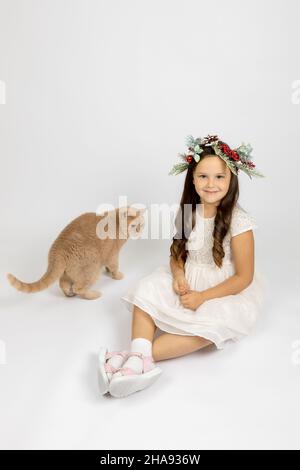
211, 179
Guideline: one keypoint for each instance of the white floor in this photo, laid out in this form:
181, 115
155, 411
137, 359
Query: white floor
245, 396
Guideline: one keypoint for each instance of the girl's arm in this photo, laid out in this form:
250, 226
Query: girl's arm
243, 257
180, 284
177, 268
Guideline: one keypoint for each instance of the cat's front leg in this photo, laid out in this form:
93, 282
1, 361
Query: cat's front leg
85, 293
113, 269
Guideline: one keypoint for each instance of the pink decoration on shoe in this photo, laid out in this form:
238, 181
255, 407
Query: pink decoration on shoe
109, 368
109, 355
147, 364
126, 371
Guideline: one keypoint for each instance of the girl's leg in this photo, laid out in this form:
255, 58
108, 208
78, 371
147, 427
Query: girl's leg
168, 346
142, 325
143, 330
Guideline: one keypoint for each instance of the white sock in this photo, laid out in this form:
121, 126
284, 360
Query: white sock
115, 361
140, 345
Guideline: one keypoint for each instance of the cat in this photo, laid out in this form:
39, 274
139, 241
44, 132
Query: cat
78, 254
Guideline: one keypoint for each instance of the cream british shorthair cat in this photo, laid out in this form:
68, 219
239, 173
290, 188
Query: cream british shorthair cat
78, 254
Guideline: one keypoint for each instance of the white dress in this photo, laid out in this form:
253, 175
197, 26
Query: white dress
219, 319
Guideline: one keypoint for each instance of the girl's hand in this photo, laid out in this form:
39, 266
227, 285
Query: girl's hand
192, 299
180, 285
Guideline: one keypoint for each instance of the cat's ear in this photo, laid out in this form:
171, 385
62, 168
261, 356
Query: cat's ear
102, 214
141, 211
135, 212
130, 211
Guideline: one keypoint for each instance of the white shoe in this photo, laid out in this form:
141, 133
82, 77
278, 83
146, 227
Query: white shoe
104, 369
130, 381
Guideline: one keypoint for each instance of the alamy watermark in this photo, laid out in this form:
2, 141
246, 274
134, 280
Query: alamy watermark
156, 222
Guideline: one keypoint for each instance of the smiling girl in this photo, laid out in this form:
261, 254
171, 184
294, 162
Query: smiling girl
210, 293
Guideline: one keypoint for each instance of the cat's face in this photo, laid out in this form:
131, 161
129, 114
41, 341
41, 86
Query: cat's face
122, 223
135, 222
135, 227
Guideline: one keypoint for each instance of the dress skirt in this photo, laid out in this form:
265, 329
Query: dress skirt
218, 320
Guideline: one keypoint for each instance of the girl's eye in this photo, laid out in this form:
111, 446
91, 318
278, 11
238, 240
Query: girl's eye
204, 176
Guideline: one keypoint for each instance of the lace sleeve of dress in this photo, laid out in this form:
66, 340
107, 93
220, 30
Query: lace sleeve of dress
241, 222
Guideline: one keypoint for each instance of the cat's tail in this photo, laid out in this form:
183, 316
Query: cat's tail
56, 267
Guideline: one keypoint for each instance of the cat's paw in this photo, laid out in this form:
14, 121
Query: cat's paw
91, 295
118, 276
68, 291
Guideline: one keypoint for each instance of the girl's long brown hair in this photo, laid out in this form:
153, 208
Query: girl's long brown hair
222, 219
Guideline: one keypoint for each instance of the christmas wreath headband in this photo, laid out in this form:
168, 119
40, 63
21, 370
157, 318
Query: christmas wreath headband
236, 159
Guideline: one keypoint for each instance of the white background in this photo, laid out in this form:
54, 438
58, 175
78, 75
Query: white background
99, 98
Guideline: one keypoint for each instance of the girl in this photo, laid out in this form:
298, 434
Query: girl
210, 293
